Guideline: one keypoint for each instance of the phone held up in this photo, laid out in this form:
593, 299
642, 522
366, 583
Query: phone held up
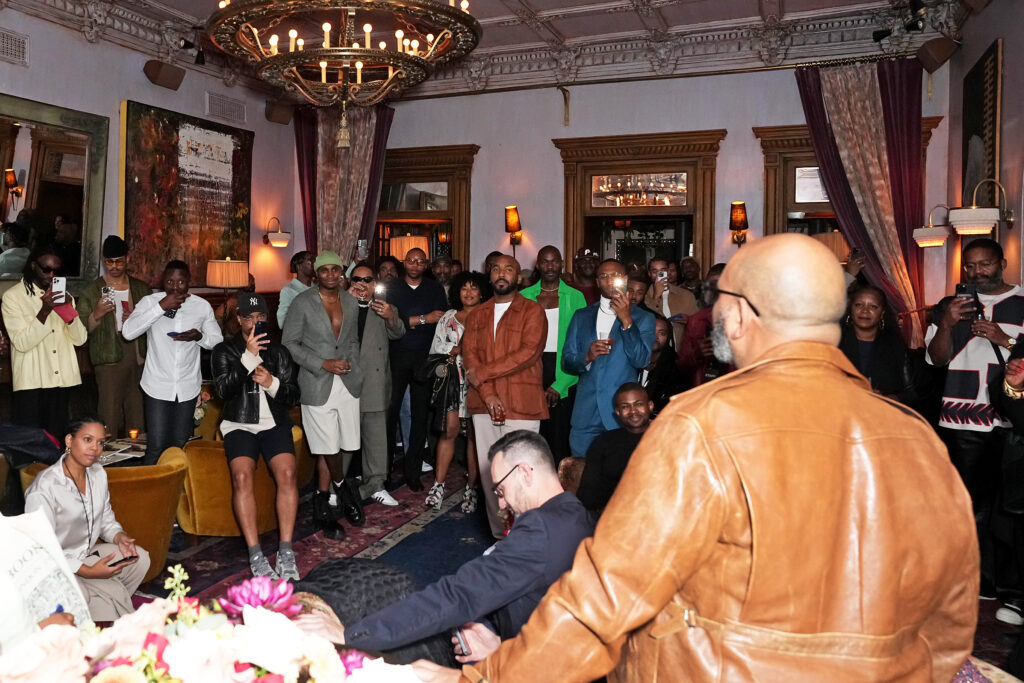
59, 287
261, 327
969, 290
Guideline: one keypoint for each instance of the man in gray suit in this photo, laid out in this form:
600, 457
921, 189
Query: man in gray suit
320, 331
378, 324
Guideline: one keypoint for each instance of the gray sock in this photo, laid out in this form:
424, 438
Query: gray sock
284, 545
339, 484
254, 552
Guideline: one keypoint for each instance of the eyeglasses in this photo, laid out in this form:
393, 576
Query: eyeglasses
984, 265
45, 269
368, 279
716, 290
605, 276
255, 317
497, 487
411, 261
114, 261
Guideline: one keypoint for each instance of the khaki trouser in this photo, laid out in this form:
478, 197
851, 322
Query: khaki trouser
120, 396
110, 598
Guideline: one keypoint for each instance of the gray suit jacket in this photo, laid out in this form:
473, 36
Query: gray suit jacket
374, 359
309, 337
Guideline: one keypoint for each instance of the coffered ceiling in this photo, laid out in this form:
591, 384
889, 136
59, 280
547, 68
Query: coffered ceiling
536, 43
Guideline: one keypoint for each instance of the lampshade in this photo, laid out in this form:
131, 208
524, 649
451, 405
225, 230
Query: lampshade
512, 219
975, 220
10, 177
836, 243
738, 216
400, 246
227, 274
932, 235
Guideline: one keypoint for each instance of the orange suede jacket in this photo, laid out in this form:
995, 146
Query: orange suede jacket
508, 364
782, 523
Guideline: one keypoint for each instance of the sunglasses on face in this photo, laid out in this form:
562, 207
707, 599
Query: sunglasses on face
367, 279
45, 269
114, 261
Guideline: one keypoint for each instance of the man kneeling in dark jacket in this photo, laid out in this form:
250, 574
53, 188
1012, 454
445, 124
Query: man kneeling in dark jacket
256, 378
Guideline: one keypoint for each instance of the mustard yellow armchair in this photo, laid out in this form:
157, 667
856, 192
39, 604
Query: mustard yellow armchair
144, 500
205, 506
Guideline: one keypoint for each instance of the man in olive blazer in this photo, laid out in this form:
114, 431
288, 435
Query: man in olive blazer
378, 324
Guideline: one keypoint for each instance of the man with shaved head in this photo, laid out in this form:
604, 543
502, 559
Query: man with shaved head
780, 523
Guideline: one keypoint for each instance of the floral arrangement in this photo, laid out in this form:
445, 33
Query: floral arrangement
246, 637
240, 221
200, 411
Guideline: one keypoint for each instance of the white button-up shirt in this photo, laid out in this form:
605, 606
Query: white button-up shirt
172, 367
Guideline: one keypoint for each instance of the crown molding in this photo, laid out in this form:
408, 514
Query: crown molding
645, 146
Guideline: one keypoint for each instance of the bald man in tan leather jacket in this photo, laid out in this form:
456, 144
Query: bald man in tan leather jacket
780, 523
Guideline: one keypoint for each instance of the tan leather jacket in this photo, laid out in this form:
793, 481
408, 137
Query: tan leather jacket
781, 523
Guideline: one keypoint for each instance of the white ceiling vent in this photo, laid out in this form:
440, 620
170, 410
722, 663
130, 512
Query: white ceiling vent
13, 47
225, 107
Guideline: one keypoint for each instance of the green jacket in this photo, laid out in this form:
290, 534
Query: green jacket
570, 300
103, 346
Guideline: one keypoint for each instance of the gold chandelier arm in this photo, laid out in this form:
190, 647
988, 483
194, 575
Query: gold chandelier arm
334, 94
438, 41
377, 95
256, 50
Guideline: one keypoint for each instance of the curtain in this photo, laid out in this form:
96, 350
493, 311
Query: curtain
854, 105
385, 115
305, 152
343, 176
899, 83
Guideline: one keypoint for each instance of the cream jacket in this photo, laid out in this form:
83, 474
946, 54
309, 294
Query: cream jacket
42, 354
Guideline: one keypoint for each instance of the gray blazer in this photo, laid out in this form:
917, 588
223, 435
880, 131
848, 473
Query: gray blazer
309, 337
375, 361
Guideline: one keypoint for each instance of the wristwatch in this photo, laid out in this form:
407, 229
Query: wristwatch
1010, 343
423, 320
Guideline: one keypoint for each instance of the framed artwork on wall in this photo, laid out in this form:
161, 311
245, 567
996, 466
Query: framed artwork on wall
185, 190
982, 112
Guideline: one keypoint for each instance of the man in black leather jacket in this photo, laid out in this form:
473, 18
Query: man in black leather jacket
257, 379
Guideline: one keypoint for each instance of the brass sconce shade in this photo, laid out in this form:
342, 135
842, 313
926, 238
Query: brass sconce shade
277, 238
512, 219
932, 235
738, 222
975, 220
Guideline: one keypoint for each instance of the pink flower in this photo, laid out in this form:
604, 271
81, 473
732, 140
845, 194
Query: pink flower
260, 591
352, 660
270, 678
53, 654
129, 634
156, 644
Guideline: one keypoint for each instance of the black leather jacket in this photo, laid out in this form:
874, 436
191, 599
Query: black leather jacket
234, 384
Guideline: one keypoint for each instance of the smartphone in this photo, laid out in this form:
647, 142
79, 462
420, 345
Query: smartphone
124, 560
662, 275
966, 290
462, 641
261, 327
172, 335
59, 288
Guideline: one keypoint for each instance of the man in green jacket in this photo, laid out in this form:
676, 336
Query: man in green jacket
105, 304
559, 302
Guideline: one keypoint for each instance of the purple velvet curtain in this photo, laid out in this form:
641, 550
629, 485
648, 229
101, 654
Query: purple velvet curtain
833, 175
385, 115
899, 82
305, 152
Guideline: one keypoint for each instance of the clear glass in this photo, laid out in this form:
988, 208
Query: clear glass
414, 197
638, 189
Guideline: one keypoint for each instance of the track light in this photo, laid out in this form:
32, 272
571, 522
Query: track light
185, 44
914, 25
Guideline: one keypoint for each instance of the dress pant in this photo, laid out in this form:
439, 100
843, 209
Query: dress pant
168, 424
120, 397
43, 408
555, 429
404, 365
486, 434
373, 431
111, 598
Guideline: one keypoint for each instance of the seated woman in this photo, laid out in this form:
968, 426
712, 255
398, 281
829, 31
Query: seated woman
73, 495
467, 291
872, 342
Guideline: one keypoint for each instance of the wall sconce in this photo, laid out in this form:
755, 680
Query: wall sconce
932, 235
738, 223
513, 227
11, 181
278, 238
443, 236
981, 221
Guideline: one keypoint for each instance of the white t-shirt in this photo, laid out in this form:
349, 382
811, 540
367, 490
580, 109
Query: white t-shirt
250, 363
499, 310
551, 345
605, 318
120, 304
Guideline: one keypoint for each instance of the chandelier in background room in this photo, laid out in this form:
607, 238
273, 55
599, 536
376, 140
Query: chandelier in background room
647, 189
331, 52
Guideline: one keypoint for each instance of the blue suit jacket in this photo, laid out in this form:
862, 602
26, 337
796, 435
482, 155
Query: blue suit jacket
631, 352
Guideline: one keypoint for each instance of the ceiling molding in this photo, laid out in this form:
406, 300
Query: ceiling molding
657, 51
645, 146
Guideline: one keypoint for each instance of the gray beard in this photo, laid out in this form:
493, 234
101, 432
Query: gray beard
720, 343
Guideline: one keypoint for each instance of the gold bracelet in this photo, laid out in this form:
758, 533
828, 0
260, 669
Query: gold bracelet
1010, 391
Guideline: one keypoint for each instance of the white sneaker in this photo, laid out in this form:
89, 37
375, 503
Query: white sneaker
1010, 616
384, 498
332, 500
426, 467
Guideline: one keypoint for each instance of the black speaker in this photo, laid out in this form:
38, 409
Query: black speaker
163, 74
936, 52
276, 112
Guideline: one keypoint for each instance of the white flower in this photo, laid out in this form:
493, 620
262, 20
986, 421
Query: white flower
324, 664
201, 656
270, 641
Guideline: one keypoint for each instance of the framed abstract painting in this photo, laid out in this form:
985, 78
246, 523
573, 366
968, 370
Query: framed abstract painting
186, 188
982, 111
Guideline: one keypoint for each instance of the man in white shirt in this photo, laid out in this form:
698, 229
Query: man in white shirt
177, 325
302, 266
677, 304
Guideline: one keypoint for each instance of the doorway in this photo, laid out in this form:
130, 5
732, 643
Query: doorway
638, 239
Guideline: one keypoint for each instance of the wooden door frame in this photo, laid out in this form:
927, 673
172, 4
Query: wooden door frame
583, 157
448, 163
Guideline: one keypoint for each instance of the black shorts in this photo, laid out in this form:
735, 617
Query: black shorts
270, 442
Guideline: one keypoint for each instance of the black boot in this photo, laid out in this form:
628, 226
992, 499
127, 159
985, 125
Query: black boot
350, 504
324, 519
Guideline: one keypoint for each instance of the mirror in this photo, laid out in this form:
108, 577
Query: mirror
58, 159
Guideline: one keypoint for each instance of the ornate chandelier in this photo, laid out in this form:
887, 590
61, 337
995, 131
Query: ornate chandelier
344, 51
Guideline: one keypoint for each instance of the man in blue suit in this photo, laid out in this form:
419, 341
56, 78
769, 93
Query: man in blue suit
607, 345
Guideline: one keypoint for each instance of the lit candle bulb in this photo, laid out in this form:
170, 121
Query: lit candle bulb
382, 45
301, 43
398, 39
327, 36
405, 45
430, 39
273, 44
292, 35
359, 72
323, 72
366, 32
415, 45
355, 46
451, 3
222, 4
464, 5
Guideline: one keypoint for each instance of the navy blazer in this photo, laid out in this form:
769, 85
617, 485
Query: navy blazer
631, 352
508, 582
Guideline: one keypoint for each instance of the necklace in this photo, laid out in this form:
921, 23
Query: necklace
548, 290
88, 489
327, 301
